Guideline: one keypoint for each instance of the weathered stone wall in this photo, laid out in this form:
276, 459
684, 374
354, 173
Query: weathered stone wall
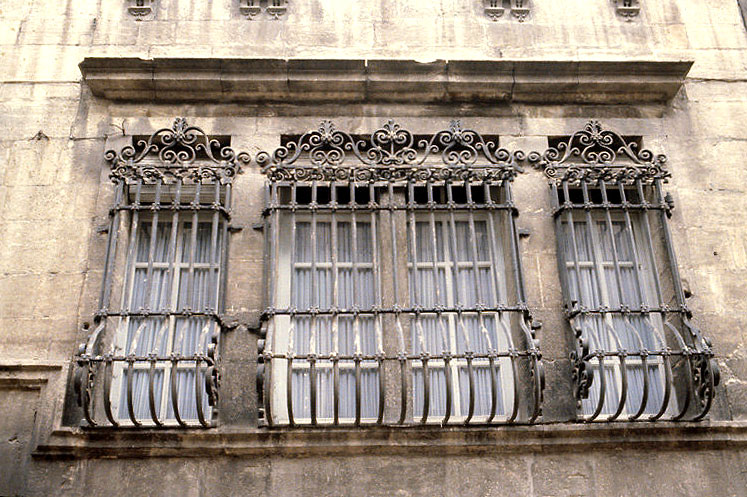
54, 196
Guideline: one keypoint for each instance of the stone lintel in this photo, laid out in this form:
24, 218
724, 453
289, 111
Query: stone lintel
357, 80
113, 442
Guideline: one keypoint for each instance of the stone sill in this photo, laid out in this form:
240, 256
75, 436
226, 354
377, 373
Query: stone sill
357, 80
106, 443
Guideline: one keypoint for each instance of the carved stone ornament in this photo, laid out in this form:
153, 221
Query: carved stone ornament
627, 8
140, 8
594, 153
252, 8
519, 9
172, 153
391, 153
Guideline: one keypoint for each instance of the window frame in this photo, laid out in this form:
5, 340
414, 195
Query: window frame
173, 160
594, 157
390, 157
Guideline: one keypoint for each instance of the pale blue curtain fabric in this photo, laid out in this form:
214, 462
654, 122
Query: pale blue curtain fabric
454, 281
354, 286
163, 336
611, 333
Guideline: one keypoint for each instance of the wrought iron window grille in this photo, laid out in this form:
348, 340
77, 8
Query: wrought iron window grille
140, 8
352, 227
274, 8
627, 8
638, 355
495, 9
151, 358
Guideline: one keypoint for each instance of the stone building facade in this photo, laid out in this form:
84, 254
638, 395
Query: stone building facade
337, 137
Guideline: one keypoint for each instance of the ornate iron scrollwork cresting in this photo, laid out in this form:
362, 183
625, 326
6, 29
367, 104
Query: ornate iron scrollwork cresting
594, 154
176, 151
390, 153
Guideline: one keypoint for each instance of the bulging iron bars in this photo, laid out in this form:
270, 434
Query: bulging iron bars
386, 187
656, 362
151, 361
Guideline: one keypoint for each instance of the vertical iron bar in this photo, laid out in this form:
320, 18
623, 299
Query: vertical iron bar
439, 302
600, 282
111, 248
478, 290
376, 275
574, 303
198, 392
131, 251
521, 298
213, 294
641, 298
618, 279
151, 391
291, 329
315, 298
492, 233
460, 316
274, 226
220, 307
175, 390
356, 318
335, 305
415, 299
108, 372
152, 247
676, 280
650, 242
193, 246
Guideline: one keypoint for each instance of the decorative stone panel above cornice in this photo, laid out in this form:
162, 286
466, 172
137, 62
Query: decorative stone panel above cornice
358, 80
627, 8
519, 9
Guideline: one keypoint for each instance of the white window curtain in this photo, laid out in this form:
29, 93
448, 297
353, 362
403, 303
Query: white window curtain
329, 271
454, 275
595, 283
175, 285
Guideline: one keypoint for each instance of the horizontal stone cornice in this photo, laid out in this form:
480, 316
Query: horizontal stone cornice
94, 443
359, 80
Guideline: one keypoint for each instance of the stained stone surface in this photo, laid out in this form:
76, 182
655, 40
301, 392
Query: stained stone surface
55, 194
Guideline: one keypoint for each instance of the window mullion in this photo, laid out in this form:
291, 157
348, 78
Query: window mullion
293, 303
356, 295
315, 293
376, 275
335, 305
416, 300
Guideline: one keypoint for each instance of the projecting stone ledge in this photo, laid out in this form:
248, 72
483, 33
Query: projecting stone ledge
349, 80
